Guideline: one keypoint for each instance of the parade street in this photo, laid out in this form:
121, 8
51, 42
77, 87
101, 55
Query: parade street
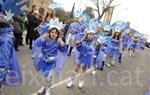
74, 47
128, 78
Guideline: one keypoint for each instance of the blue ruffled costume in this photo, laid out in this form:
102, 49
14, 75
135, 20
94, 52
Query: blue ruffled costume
113, 49
102, 50
74, 26
134, 43
125, 41
47, 56
86, 51
10, 73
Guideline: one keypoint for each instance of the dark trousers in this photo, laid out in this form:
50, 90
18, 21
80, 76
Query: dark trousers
21, 41
28, 36
18, 37
70, 50
31, 41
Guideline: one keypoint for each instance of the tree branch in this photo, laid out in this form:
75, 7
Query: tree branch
98, 8
105, 6
110, 2
114, 5
95, 9
105, 10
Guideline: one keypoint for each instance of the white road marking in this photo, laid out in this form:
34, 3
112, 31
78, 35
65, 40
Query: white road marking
65, 81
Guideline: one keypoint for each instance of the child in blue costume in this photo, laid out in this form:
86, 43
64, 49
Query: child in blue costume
133, 44
106, 39
125, 39
73, 31
98, 59
141, 43
10, 74
86, 49
47, 57
101, 57
113, 52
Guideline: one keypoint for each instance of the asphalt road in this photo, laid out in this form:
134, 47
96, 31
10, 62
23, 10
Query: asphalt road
128, 78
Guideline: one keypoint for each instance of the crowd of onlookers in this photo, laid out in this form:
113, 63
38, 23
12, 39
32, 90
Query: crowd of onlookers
28, 21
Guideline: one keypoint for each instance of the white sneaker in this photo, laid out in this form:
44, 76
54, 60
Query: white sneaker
132, 54
42, 90
48, 91
113, 63
108, 65
32, 57
81, 83
94, 72
70, 84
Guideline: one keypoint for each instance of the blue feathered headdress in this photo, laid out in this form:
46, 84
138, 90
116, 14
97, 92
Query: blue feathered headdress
137, 34
55, 5
78, 14
121, 24
107, 27
11, 8
117, 28
128, 30
94, 23
52, 24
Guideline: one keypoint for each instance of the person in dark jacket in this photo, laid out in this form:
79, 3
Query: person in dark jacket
33, 24
17, 30
29, 20
65, 30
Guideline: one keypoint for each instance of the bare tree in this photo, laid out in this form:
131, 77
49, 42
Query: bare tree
102, 6
59, 12
45, 1
89, 11
62, 14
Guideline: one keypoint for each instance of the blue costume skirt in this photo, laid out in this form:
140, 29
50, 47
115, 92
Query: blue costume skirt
124, 45
86, 60
99, 59
133, 46
46, 67
113, 52
14, 76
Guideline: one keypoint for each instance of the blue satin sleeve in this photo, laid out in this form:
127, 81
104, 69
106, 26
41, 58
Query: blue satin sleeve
83, 47
79, 47
63, 48
39, 42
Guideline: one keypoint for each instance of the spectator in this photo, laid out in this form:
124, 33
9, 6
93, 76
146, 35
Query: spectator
17, 30
29, 20
33, 9
41, 12
35, 21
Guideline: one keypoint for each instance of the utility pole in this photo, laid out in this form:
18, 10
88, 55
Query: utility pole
72, 11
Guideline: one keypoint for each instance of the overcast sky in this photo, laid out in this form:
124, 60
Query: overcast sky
135, 11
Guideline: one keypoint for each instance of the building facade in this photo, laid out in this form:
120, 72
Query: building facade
39, 3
